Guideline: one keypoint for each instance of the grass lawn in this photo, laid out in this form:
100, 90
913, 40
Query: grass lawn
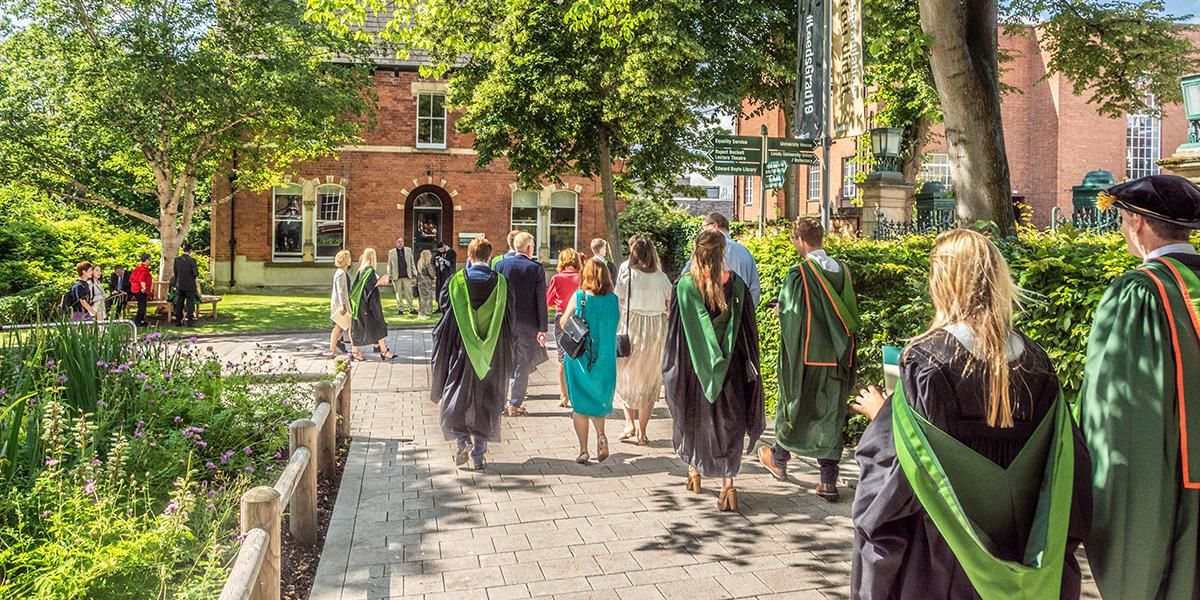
281, 312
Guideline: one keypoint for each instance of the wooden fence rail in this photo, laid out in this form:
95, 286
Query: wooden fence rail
312, 448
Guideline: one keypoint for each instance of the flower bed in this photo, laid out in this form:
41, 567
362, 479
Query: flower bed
122, 464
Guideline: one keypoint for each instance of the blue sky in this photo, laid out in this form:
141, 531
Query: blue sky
1179, 7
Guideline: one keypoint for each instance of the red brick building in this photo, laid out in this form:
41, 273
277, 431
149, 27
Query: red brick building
1052, 136
412, 176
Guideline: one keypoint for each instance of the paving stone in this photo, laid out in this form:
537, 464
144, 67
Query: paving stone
409, 525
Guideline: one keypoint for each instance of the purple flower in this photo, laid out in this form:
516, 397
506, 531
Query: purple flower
226, 455
177, 420
50, 364
95, 462
247, 451
249, 468
3, 391
241, 538
193, 339
211, 493
278, 455
140, 377
101, 404
137, 431
171, 508
211, 467
50, 462
61, 378
166, 375
199, 395
89, 488
46, 515
202, 443
101, 363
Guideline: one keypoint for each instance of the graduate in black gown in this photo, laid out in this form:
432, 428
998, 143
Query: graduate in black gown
711, 369
369, 327
975, 480
473, 356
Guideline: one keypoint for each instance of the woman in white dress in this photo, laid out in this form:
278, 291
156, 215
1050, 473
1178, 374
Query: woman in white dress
339, 306
643, 291
98, 295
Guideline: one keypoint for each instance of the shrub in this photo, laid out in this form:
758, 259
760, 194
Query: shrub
1065, 273
672, 231
121, 464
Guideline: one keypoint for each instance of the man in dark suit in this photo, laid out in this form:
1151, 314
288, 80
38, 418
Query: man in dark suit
119, 288
187, 289
527, 281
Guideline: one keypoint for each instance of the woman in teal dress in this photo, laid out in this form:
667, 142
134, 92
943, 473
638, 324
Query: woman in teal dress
592, 378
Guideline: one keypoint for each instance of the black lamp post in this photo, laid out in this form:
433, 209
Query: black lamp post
885, 145
1191, 108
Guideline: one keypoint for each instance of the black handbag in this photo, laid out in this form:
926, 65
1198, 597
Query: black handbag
574, 336
624, 344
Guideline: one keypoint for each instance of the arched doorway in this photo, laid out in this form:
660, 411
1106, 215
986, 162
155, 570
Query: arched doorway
429, 213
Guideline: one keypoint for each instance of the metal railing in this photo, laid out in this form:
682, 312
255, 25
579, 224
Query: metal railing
932, 221
1087, 219
312, 452
57, 324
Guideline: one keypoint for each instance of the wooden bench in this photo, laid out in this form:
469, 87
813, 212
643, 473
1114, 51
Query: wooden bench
159, 306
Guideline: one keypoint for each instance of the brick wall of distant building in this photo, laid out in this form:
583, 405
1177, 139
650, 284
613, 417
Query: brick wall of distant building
1052, 136
382, 175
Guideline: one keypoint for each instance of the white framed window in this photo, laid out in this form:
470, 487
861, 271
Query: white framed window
287, 216
747, 190
936, 167
564, 220
1143, 142
431, 120
849, 173
558, 230
814, 183
330, 223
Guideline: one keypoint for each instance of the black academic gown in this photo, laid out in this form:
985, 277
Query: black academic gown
369, 325
898, 552
709, 436
470, 406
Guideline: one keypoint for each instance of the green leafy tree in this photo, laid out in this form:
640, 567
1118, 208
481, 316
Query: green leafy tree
101, 100
1114, 52
600, 88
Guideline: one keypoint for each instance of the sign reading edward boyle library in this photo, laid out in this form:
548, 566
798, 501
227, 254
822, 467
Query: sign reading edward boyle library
743, 154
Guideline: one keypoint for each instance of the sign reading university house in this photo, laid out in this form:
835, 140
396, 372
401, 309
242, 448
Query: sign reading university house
810, 113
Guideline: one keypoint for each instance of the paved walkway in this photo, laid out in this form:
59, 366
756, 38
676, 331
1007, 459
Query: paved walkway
409, 525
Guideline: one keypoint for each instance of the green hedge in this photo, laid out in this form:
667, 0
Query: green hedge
672, 230
1065, 274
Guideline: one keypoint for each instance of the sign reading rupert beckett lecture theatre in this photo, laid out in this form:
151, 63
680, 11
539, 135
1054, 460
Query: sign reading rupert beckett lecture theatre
743, 154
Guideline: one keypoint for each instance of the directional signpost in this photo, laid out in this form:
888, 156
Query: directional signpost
767, 157
776, 170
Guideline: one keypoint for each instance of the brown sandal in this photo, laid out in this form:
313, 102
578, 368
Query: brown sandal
601, 448
693, 481
727, 501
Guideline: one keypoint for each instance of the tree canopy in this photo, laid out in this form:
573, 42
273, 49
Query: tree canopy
105, 100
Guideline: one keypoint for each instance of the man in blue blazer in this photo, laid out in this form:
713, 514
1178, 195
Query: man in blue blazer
527, 280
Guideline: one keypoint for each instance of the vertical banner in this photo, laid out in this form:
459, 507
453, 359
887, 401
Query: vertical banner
849, 92
810, 109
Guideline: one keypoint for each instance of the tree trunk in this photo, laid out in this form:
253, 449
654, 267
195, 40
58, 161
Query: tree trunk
917, 134
966, 73
612, 231
172, 239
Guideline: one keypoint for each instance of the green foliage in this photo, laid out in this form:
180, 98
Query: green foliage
122, 464
1065, 274
672, 230
133, 106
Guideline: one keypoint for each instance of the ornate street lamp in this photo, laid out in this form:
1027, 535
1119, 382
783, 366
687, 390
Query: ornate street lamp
885, 145
1191, 107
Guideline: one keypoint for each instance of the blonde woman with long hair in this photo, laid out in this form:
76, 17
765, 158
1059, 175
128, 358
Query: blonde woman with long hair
711, 369
989, 452
340, 312
370, 327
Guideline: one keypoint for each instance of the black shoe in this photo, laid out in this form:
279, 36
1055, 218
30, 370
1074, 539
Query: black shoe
478, 465
191, 323
177, 323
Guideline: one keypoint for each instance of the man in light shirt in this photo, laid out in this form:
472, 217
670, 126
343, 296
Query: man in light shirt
737, 258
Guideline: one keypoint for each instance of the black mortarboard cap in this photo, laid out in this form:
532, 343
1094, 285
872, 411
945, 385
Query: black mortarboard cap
1169, 198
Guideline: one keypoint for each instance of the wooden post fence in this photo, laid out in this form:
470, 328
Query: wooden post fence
312, 448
